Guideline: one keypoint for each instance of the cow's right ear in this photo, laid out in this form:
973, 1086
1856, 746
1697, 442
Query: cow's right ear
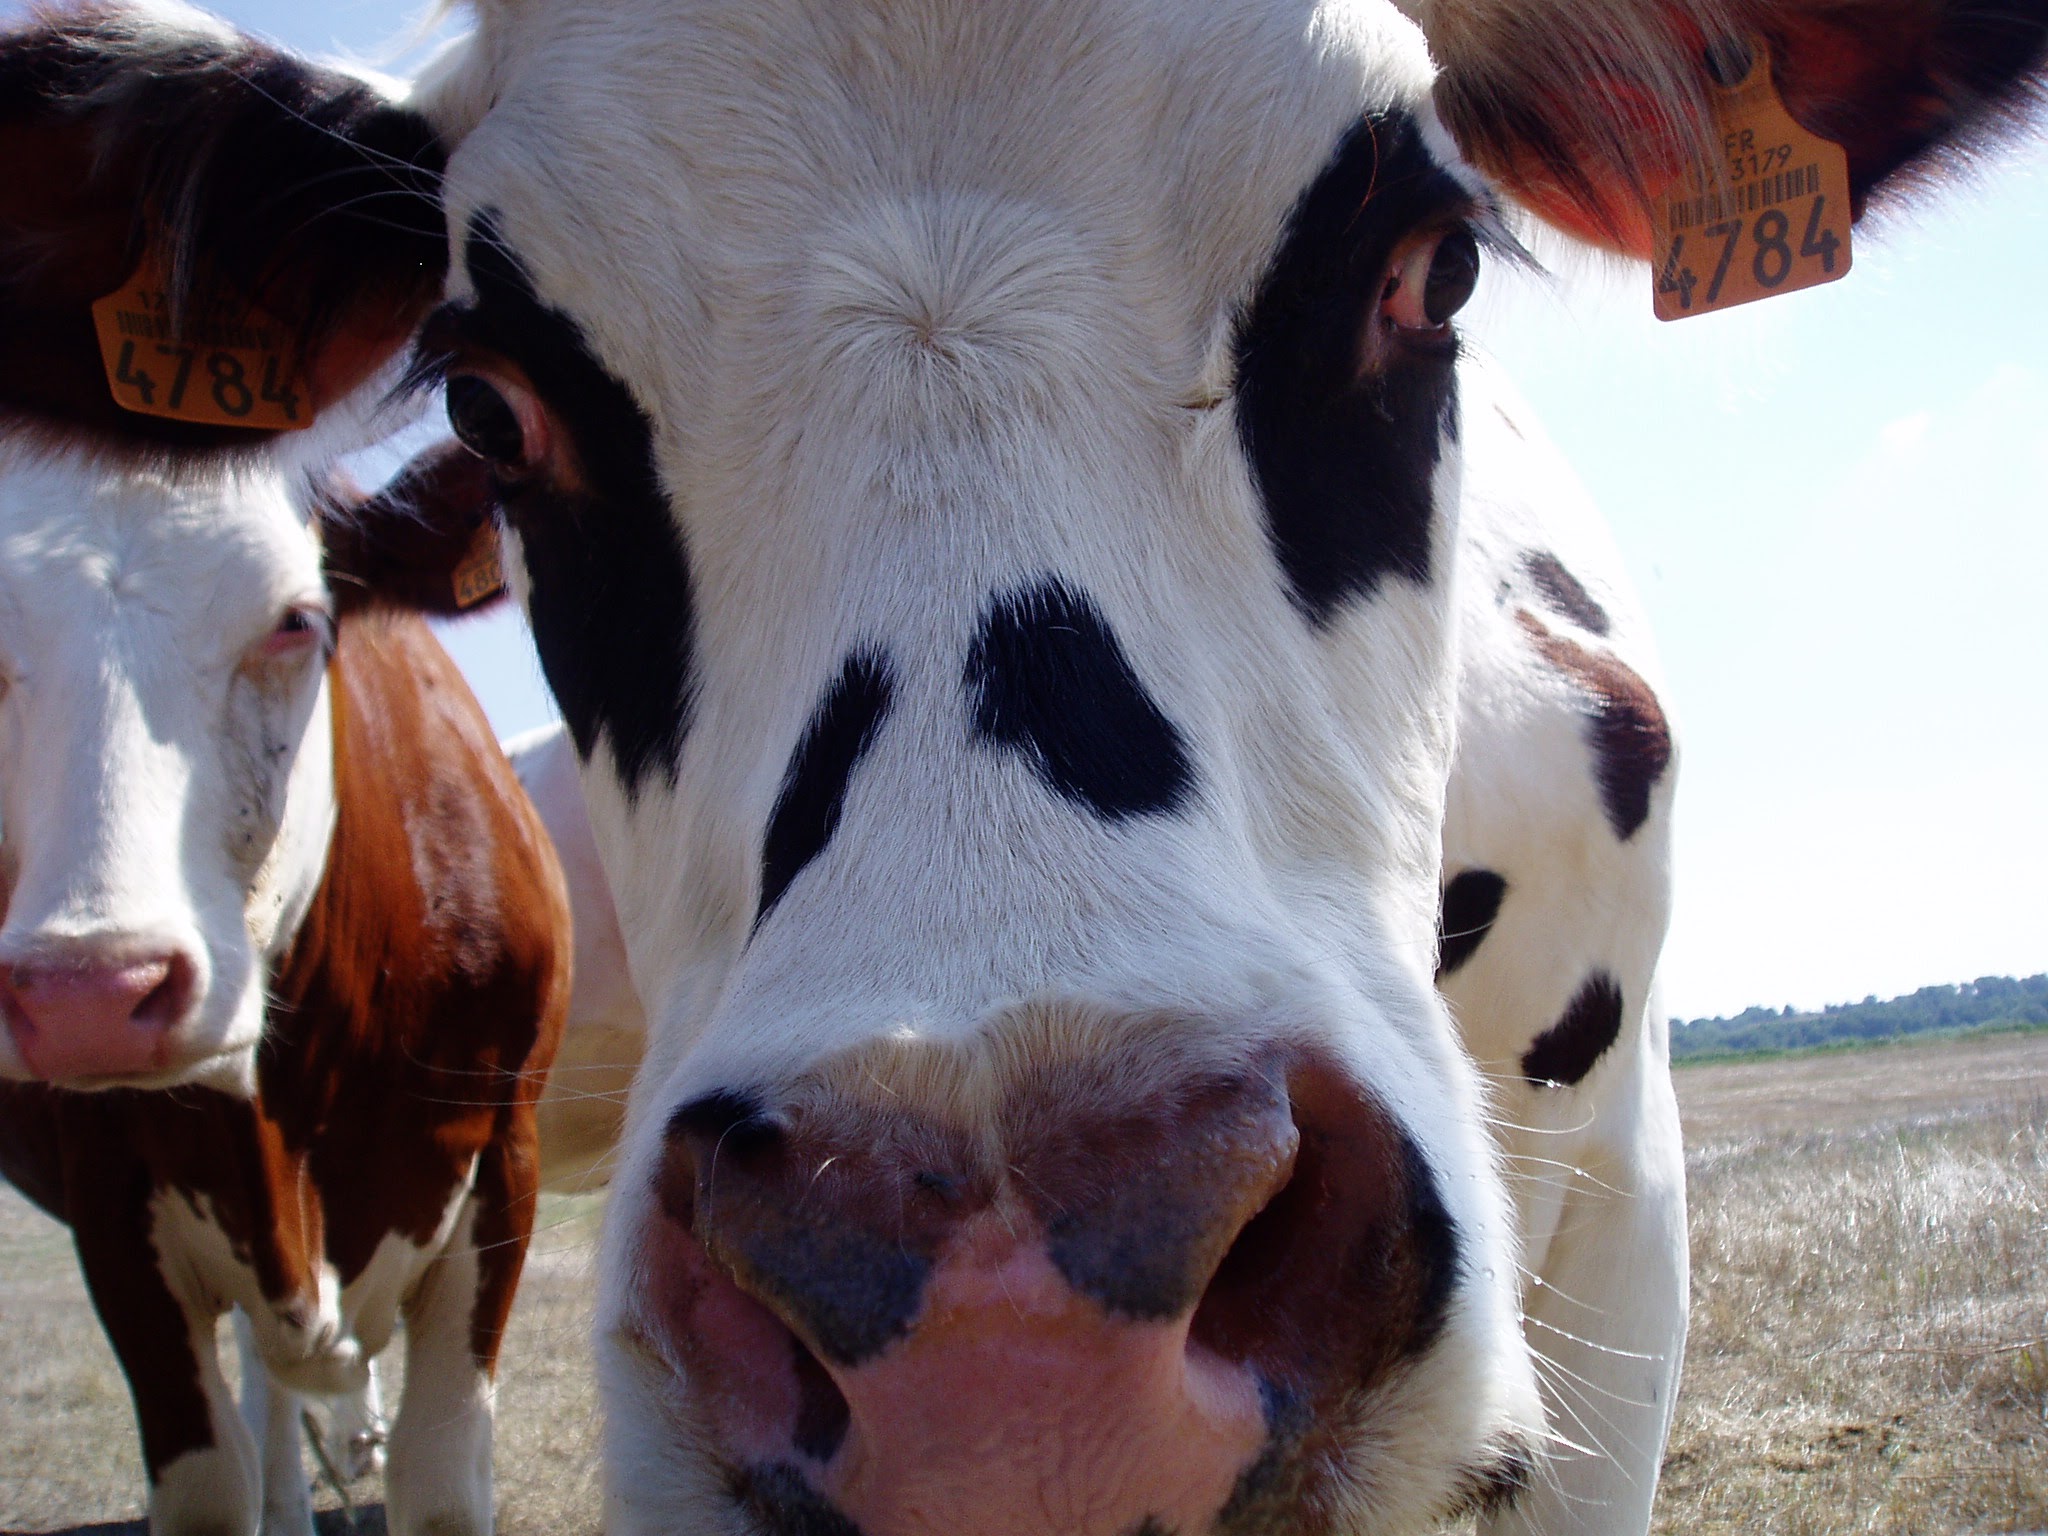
427, 542
239, 181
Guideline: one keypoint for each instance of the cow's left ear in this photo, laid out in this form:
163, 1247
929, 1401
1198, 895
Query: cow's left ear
1586, 109
428, 541
215, 179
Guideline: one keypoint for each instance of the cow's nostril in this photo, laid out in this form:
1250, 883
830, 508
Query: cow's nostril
166, 1004
1347, 1270
822, 1414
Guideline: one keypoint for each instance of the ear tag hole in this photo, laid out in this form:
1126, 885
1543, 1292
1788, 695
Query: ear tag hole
1770, 216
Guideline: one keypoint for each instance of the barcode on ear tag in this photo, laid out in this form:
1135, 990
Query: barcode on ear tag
225, 372
1771, 218
479, 577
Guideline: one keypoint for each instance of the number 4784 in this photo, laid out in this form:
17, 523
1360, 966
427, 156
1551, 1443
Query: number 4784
1771, 259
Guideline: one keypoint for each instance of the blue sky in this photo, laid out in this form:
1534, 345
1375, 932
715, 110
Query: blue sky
1836, 506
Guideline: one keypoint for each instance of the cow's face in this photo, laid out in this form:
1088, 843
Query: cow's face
165, 773
982, 493
981, 478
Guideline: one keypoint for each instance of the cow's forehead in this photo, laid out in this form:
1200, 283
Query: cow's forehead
657, 164
199, 553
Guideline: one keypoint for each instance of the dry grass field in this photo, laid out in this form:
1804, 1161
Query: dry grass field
1870, 1321
1869, 1347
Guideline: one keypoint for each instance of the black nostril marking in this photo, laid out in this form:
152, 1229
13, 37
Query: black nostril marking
1149, 1526
821, 1414
783, 1504
944, 1185
1435, 1238
1493, 1489
732, 1121
817, 1238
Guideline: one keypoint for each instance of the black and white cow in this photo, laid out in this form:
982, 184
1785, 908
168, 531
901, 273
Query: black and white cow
1003, 511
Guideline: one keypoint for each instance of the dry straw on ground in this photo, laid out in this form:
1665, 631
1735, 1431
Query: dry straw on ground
1870, 1321
1869, 1346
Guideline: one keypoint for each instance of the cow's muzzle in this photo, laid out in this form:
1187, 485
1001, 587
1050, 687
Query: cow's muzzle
1097, 1312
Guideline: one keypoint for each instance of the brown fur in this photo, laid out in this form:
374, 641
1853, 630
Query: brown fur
413, 1023
1625, 724
249, 175
1587, 108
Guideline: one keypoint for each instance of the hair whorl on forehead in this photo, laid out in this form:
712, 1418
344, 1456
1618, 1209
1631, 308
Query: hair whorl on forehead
1587, 108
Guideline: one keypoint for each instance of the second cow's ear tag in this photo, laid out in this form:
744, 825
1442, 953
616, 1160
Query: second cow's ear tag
228, 370
480, 575
1771, 217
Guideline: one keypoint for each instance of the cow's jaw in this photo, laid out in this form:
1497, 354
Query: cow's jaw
167, 781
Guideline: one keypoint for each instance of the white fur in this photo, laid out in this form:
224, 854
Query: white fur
584, 1105
322, 1346
160, 783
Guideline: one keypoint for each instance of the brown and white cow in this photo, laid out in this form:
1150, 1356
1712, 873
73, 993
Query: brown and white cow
1038, 590
284, 961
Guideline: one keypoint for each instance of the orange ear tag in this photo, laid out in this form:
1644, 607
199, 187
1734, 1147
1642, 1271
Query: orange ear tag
1772, 218
480, 577
233, 372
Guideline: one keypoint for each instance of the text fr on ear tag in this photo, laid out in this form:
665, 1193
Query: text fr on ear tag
479, 576
228, 370
1771, 218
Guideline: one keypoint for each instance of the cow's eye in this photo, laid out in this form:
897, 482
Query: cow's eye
499, 421
298, 629
1430, 279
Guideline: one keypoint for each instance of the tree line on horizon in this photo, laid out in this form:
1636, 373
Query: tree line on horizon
1988, 1003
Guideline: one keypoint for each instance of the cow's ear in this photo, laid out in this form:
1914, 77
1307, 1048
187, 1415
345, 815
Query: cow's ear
428, 541
1586, 109
239, 180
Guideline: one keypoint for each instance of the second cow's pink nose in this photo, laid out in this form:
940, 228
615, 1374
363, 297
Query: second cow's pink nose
79, 1018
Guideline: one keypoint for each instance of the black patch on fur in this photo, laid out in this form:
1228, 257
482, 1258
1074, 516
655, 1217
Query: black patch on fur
1048, 680
1626, 728
1345, 459
611, 602
1493, 1490
822, 1414
1436, 1237
1470, 903
1632, 745
1151, 1525
813, 796
264, 180
728, 1120
1564, 1053
783, 1504
1563, 593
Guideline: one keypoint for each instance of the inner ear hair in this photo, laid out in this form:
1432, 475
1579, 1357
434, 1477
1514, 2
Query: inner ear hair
1586, 109
249, 178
